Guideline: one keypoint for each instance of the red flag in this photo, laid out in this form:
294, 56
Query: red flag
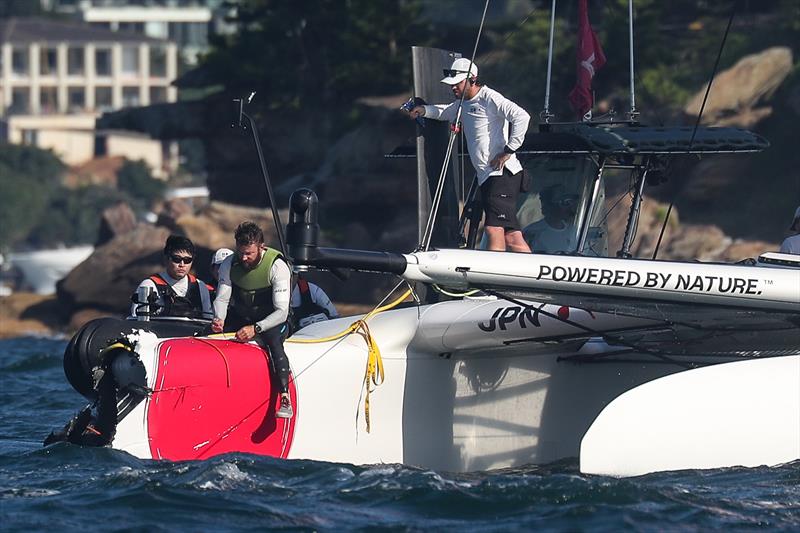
590, 60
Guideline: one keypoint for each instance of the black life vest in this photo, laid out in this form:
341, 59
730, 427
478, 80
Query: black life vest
307, 306
190, 306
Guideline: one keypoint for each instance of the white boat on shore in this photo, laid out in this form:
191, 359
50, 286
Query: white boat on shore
42, 269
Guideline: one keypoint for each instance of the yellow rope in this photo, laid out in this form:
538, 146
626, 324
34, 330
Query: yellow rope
355, 325
374, 370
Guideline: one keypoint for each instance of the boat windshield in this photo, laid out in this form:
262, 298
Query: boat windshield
552, 211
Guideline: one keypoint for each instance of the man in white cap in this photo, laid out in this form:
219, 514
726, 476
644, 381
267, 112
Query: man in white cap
495, 128
216, 261
791, 245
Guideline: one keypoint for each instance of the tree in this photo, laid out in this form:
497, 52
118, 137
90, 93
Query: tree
135, 181
28, 179
318, 53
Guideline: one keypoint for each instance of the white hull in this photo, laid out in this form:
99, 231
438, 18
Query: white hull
737, 414
485, 406
461, 396
42, 269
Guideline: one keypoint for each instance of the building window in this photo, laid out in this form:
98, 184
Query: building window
102, 98
20, 101
158, 95
132, 27
30, 137
189, 33
76, 97
48, 61
130, 61
20, 61
130, 96
102, 61
158, 62
100, 146
48, 100
75, 64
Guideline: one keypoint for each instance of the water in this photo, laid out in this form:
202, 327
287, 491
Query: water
93, 489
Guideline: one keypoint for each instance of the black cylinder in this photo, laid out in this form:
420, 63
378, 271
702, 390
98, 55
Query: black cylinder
302, 231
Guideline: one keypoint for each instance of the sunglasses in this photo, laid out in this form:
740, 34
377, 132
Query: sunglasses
450, 72
181, 259
566, 202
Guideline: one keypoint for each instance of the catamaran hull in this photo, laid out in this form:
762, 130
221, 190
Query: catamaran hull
737, 414
469, 385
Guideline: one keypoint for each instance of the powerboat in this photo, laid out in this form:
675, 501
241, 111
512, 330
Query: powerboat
632, 365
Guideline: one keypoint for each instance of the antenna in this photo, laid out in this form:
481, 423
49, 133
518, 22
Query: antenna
632, 114
276, 218
545, 115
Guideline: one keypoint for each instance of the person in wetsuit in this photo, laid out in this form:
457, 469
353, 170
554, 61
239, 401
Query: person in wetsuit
179, 292
256, 283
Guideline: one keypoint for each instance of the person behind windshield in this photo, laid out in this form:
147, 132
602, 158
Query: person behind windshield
180, 294
791, 244
256, 282
494, 128
555, 232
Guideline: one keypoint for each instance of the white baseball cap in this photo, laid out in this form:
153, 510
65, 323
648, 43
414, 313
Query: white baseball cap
220, 255
458, 71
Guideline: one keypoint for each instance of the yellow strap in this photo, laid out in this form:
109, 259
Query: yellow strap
354, 326
374, 370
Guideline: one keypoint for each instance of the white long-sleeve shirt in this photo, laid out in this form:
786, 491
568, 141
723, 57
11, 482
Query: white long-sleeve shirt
318, 296
791, 245
181, 287
280, 278
486, 119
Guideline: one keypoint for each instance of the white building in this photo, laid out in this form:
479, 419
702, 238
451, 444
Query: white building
186, 22
56, 78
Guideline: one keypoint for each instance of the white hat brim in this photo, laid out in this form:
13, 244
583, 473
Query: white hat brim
453, 80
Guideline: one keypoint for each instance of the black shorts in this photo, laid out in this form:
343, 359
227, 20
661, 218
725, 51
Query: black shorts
499, 195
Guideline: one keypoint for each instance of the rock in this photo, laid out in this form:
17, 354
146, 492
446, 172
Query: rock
212, 227
106, 280
740, 250
115, 220
701, 242
24, 313
651, 218
171, 211
737, 91
81, 317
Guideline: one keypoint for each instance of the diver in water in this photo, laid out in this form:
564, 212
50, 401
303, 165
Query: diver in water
256, 282
179, 292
